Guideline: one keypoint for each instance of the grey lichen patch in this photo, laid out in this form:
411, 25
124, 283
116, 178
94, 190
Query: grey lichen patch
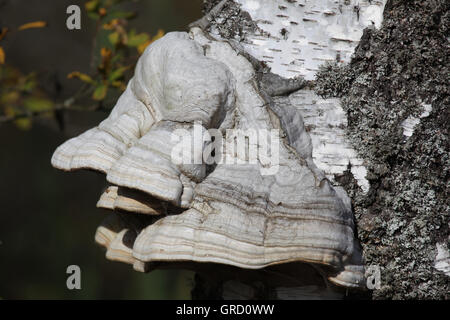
393, 73
333, 80
231, 22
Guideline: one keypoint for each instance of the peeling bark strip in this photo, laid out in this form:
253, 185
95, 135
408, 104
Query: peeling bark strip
326, 121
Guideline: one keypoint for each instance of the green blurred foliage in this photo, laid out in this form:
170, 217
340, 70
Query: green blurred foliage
115, 52
20, 97
115, 60
48, 218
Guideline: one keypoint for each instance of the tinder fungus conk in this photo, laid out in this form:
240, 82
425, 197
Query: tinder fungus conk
247, 214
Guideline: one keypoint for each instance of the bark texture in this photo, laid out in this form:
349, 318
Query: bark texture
396, 73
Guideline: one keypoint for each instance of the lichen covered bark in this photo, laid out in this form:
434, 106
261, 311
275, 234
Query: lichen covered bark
395, 72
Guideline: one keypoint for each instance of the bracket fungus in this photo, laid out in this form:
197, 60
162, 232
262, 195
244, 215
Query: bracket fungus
241, 213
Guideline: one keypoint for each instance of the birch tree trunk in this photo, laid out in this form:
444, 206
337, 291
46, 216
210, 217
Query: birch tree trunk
375, 108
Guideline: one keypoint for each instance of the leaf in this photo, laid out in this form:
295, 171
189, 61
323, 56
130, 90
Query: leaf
82, 76
158, 35
91, 5
32, 25
135, 40
111, 24
105, 66
116, 74
2, 56
105, 53
23, 123
9, 98
119, 84
28, 85
35, 104
114, 38
100, 92
141, 48
117, 57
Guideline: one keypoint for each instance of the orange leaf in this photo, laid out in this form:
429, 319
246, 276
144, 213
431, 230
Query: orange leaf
111, 25
158, 35
105, 53
141, 48
2, 56
31, 25
82, 76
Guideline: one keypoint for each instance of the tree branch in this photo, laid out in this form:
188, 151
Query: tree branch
68, 104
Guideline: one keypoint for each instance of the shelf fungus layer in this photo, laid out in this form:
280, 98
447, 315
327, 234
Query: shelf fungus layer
130, 200
117, 234
261, 202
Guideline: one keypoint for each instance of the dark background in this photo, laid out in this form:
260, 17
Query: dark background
48, 218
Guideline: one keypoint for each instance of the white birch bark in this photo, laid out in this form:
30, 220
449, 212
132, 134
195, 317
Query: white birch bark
293, 39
